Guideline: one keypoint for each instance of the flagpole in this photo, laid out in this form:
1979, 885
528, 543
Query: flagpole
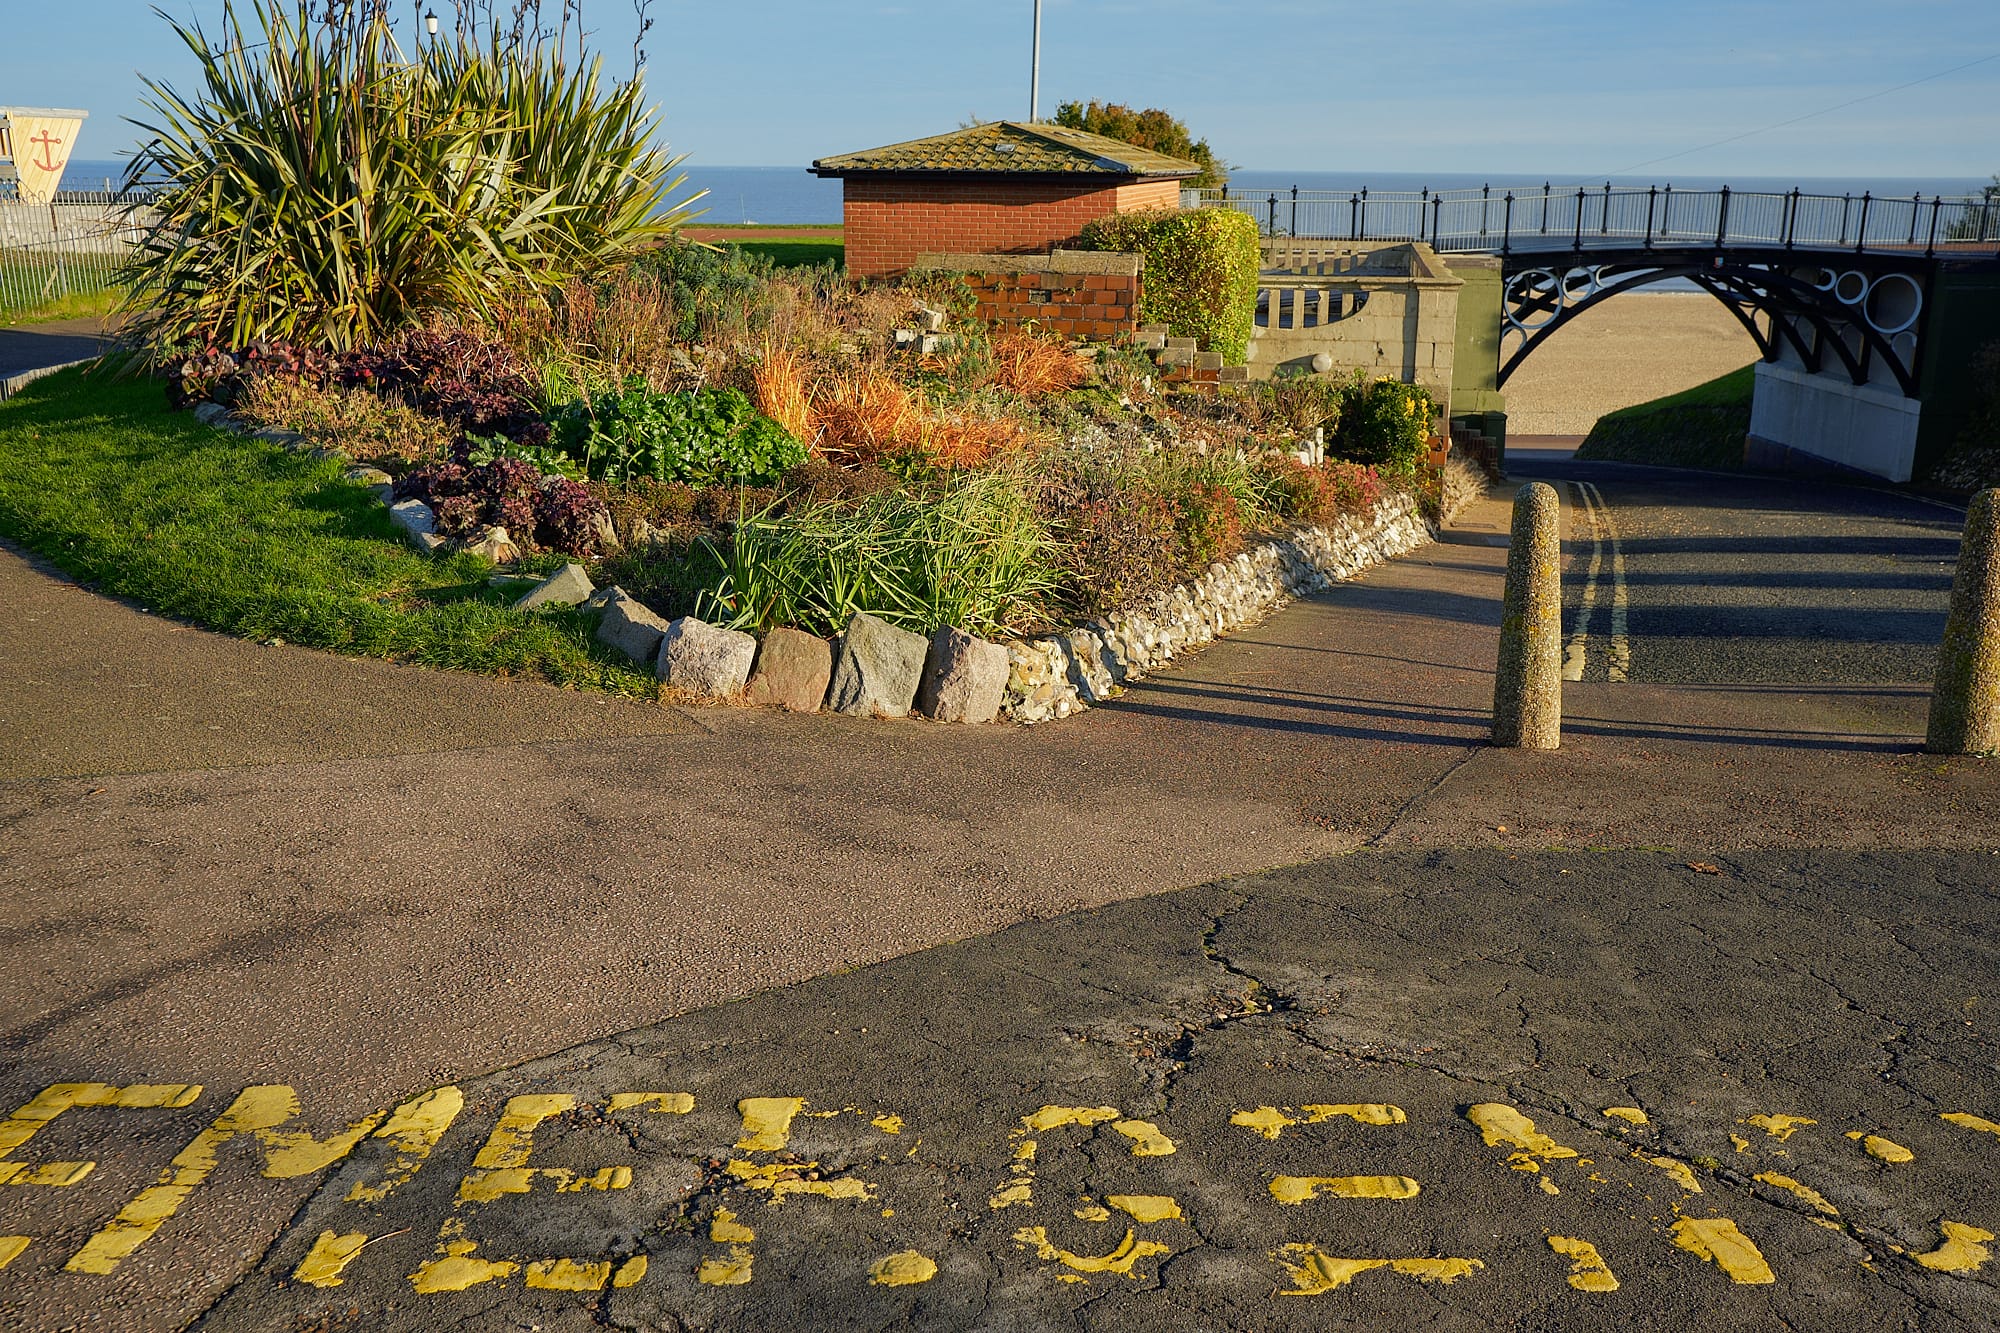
1035, 73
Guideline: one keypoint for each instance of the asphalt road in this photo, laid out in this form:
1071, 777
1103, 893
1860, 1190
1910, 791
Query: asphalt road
1703, 579
52, 344
339, 896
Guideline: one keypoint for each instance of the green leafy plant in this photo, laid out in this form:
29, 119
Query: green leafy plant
706, 438
322, 187
1385, 424
711, 293
972, 554
1152, 128
1201, 270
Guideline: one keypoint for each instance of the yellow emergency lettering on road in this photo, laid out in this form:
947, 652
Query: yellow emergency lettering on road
1145, 1207
1882, 1149
1587, 1269
1682, 1173
11, 1247
1147, 1141
1299, 1189
1963, 1251
57, 1098
500, 1169
1314, 1272
1718, 1240
263, 1107
1631, 1115
1792, 1187
1779, 1127
662, 1103
414, 1128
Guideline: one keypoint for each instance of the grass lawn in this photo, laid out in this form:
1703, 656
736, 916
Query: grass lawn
149, 505
1703, 426
797, 254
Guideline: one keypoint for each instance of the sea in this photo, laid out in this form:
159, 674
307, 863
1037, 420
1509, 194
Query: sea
793, 196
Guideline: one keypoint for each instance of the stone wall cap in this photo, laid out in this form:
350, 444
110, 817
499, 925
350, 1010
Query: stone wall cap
1116, 263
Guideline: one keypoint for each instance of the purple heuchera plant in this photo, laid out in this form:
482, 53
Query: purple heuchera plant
468, 498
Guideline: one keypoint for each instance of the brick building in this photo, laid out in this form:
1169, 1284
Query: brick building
999, 188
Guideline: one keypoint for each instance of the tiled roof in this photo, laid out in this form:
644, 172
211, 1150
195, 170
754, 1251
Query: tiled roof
1011, 148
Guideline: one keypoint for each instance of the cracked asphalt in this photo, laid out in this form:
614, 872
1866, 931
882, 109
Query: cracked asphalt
311, 964
1850, 991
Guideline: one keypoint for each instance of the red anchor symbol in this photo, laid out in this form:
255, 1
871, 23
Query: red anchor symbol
47, 142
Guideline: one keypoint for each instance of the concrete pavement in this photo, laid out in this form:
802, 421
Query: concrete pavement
384, 880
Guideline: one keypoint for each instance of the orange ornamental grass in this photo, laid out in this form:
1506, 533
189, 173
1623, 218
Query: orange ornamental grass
782, 392
972, 441
867, 414
1033, 366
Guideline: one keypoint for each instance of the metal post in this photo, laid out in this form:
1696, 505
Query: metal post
1527, 687
1364, 214
1652, 198
1846, 200
1604, 214
1578, 241
1035, 71
1272, 229
1722, 219
1545, 208
1485, 201
1916, 202
1295, 210
1353, 204
1861, 233
1791, 217
1437, 215
1965, 698
1423, 207
1930, 246
1506, 224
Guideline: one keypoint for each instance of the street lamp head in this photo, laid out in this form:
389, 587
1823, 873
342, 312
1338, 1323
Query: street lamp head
431, 22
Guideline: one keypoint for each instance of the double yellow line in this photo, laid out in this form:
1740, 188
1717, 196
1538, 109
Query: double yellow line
1605, 556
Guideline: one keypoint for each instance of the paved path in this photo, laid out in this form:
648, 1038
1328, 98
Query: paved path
55, 343
242, 867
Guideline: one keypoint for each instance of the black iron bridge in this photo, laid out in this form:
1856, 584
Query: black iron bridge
1843, 281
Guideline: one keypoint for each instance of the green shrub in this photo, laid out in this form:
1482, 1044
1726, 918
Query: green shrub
710, 437
323, 187
1385, 424
972, 554
711, 294
1201, 271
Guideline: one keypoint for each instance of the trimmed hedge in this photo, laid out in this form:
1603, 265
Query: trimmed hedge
1201, 271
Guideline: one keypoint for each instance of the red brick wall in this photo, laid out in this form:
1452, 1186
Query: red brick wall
1078, 305
892, 219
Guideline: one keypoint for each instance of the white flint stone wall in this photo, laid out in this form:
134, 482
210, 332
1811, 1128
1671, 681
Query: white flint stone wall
1056, 676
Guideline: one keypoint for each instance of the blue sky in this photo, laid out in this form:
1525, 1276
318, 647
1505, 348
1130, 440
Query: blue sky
1580, 87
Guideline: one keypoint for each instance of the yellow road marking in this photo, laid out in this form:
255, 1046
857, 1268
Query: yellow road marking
1144, 1207
1964, 1120
1502, 1126
903, 1269
1885, 1149
1314, 1273
458, 1269
569, 1275
724, 1229
1121, 1260
1631, 1115
1298, 1189
1962, 1251
414, 1128
53, 1100
1682, 1173
328, 1258
1780, 1127
663, 1103
767, 1122
1587, 1271
1147, 1141
1718, 1240
1054, 1117
1790, 1186
1271, 1122
11, 1247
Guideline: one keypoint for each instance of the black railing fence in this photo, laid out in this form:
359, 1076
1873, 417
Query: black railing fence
1547, 217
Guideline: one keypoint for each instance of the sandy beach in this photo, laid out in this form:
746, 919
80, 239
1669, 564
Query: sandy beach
1624, 351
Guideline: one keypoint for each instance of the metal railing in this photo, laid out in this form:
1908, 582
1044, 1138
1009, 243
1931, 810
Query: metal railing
1533, 218
78, 262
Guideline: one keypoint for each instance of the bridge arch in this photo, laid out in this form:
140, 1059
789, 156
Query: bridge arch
1853, 312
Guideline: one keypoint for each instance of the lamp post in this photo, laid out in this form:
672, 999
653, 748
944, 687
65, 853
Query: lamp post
1035, 71
431, 22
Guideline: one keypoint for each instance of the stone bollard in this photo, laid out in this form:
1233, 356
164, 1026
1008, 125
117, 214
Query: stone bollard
1965, 699
1527, 692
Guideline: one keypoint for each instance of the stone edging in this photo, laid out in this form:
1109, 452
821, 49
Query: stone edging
1055, 676
13, 384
